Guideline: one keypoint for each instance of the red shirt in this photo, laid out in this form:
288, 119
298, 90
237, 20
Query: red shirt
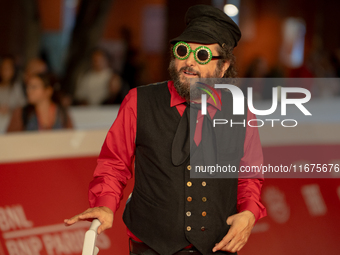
115, 161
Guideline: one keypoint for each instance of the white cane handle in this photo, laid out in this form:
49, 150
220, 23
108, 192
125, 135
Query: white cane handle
95, 225
89, 247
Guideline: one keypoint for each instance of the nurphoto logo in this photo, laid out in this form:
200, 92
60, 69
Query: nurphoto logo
238, 104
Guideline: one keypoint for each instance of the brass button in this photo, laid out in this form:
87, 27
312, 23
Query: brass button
204, 199
188, 214
189, 199
202, 228
189, 184
188, 228
189, 167
204, 214
204, 184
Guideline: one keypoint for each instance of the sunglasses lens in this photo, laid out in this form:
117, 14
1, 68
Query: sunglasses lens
203, 55
182, 51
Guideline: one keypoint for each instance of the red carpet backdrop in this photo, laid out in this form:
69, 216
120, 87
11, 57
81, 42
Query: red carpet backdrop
45, 181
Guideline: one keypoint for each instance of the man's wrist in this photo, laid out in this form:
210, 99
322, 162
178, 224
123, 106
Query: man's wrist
250, 206
250, 213
108, 202
106, 209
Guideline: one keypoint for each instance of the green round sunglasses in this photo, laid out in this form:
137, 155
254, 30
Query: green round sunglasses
202, 54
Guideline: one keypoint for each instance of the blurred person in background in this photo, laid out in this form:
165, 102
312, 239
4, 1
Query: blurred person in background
11, 93
34, 66
256, 70
276, 71
93, 86
118, 89
131, 67
43, 111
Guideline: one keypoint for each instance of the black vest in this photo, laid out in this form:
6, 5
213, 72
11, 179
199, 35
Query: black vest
168, 210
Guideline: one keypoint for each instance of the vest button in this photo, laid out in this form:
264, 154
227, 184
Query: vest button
204, 184
189, 184
189, 199
202, 228
189, 167
188, 228
204, 199
188, 214
204, 214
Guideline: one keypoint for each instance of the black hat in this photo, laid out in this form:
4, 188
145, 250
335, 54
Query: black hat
207, 24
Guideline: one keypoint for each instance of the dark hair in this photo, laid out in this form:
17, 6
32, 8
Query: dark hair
15, 74
49, 81
104, 52
227, 56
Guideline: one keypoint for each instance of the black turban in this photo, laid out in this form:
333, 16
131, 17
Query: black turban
206, 24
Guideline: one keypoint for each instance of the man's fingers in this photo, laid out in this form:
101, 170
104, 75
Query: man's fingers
231, 245
236, 243
103, 227
103, 214
238, 234
229, 236
89, 215
71, 221
230, 220
100, 229
239, 246
80, 217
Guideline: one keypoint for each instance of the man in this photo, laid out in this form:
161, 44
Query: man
93, 86
169, 212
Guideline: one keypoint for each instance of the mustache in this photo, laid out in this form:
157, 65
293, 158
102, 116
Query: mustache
190, 69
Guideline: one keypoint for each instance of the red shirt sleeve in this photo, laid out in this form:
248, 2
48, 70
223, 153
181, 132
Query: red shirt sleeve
249, 189
114, 164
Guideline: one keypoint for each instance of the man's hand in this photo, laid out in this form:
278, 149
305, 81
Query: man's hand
103, 214
241, 225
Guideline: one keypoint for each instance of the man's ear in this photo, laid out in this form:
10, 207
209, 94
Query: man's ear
225, 67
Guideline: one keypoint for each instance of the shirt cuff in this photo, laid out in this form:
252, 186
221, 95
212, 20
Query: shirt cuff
107, 201
250, 206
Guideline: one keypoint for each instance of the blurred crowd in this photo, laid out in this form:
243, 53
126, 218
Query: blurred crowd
100, 84
318, 64
32, 96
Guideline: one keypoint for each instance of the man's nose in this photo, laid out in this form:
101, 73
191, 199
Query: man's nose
190, 61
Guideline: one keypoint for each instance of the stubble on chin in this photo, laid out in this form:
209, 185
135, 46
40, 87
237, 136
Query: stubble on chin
181, 84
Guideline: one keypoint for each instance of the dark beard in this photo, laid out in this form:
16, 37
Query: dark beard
183, 88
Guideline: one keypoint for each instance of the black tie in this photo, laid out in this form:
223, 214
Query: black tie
181, 142
183, 136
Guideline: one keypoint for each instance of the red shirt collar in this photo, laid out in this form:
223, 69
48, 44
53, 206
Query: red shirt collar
176, 99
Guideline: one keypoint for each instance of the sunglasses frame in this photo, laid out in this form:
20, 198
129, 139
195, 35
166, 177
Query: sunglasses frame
195, 52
